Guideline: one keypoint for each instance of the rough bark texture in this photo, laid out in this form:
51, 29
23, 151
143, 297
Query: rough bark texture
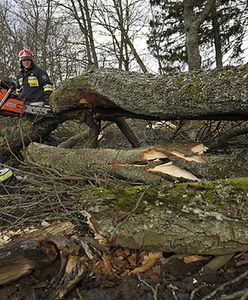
217, 94
206, 218
137, 164
192, 25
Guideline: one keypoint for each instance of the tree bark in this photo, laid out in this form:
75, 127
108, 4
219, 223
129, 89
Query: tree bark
216, 94
192, 38
217, 38
194, 218
17, 133
192, 25
173, 162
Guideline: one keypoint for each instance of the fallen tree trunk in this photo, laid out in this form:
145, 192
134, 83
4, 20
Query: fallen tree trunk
174, 162
110, 94
195, 218
205, 217
215, 94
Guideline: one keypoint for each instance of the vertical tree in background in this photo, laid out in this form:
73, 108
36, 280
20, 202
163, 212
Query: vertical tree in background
10, 42
192, 23
217, 37
220, 26
81, 11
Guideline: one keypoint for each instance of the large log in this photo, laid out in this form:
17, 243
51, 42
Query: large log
215, 94
195, 218
173, 161
207, 217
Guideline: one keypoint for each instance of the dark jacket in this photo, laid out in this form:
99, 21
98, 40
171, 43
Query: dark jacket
34, 85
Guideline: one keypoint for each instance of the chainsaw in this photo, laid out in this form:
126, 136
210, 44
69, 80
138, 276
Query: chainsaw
12, 104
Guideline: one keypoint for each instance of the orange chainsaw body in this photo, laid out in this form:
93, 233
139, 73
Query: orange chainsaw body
13, 104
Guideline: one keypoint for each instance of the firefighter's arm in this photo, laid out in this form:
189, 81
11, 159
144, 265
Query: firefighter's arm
46, 85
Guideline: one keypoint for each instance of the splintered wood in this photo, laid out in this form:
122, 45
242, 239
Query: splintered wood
171, 161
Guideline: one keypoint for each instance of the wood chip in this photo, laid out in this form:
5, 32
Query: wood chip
174, 171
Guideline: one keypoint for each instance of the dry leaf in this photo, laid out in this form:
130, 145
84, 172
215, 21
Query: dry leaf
193, 258
108, 269
149, 262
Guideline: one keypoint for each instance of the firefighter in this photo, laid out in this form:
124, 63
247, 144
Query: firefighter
33, 83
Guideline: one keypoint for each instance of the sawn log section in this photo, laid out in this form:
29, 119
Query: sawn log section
216, 94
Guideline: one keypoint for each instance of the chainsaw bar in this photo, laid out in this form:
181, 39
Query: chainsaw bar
38, 110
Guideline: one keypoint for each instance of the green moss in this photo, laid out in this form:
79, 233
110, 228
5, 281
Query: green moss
243, 68
229, 74
220, 194
240, 184
193, 89
128, 197
99, 192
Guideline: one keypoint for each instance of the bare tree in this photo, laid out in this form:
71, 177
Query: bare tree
10, 41
81, 11
122, 21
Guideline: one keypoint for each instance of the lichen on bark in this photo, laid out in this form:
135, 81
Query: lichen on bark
208, 217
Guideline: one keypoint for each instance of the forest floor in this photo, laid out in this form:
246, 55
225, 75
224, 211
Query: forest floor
170, 277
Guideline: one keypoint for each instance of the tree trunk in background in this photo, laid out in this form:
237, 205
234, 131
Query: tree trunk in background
217, 38
90, 32
192, 25
119, 11
192, 37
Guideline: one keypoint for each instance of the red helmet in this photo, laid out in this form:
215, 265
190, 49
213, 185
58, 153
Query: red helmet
25, 54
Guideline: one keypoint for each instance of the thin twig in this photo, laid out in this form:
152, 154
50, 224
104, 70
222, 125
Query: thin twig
154, 290
235, 295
